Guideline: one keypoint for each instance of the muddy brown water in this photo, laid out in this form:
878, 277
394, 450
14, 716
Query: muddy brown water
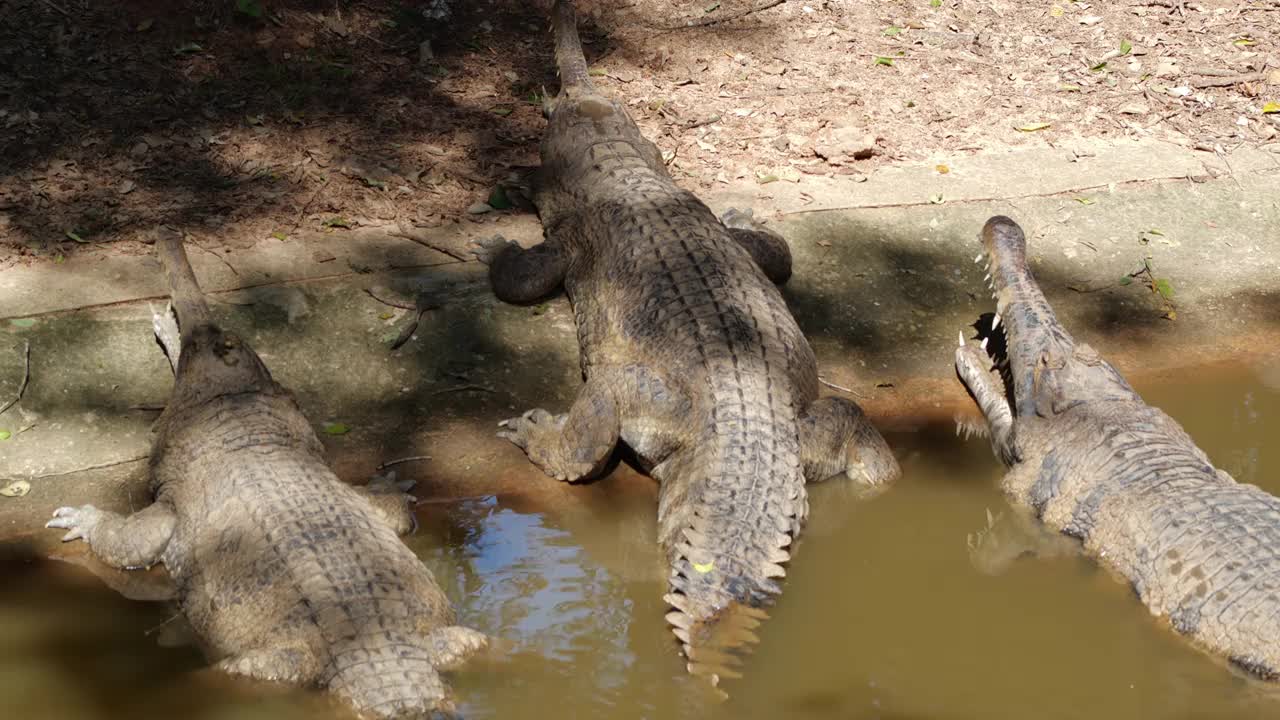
888, 611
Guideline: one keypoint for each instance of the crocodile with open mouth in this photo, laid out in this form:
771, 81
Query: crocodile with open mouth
1095, 462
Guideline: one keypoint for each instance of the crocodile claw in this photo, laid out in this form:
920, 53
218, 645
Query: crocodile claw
519, 430
487, 249
78, 522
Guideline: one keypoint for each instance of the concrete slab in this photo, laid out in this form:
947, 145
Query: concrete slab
881, 292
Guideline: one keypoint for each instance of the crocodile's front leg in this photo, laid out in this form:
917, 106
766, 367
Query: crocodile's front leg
131, 542
519, 275
576, 445
767, 248
836, 437
392, 502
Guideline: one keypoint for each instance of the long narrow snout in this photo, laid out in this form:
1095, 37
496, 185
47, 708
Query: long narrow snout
1034, 337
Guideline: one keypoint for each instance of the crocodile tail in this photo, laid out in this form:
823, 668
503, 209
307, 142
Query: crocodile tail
570, 61
390, 682
728, 527
188, 300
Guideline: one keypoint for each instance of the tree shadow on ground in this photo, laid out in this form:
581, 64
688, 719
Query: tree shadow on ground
119, 117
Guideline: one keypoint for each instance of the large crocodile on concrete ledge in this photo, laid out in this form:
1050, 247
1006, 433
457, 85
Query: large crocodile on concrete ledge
1097, 463
691, 358
285, 572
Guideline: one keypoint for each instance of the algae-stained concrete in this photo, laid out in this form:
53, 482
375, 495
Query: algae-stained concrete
884, 279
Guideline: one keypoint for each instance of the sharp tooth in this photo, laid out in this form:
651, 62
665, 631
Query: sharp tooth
995, 321
984, 343
977, 259
957, 429
960, 333
988, 277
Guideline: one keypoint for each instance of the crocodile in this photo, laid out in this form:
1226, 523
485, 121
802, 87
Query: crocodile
1096, 463
691, 359
284, 572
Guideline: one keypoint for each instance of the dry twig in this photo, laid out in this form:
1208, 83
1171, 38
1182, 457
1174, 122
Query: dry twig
707, 22
26, 376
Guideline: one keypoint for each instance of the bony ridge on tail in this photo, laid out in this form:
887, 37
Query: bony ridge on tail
691, 358
1096, 463
284, 572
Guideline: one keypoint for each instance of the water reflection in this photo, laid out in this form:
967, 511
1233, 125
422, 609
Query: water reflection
886, 613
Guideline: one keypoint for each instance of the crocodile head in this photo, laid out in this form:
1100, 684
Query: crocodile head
216, 362
1026, 363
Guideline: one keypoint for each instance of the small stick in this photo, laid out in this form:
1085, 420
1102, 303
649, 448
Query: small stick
841, 388
52, 5
1227, 81
390, 302
707, 22
411, 458
464, 388
26, 377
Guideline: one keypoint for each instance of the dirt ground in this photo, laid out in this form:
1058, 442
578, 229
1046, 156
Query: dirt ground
242, 120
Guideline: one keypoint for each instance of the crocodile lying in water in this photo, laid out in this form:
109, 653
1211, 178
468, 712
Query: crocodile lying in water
1097, 463
691, 358
284, 572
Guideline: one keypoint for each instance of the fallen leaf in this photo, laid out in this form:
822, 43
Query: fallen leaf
764, 178
881, 60
337, 222
1056, 11
1271, 107
892, 30
5, 434
1032, 127
1085, 200
127, 187
1243, 42
1125, 47
73, 235
279, 235
942, 169
17, 488
501, 111
936, 199
336, 429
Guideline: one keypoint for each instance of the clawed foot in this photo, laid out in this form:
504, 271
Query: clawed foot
165, 326
77, 521
536, 432
487, 250
744, 219
388, 485
391, 498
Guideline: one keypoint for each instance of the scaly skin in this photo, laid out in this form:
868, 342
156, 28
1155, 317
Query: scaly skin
1096, 463
285, 572
690, 357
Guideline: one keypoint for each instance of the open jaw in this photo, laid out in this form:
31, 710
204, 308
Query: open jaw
1023, 334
